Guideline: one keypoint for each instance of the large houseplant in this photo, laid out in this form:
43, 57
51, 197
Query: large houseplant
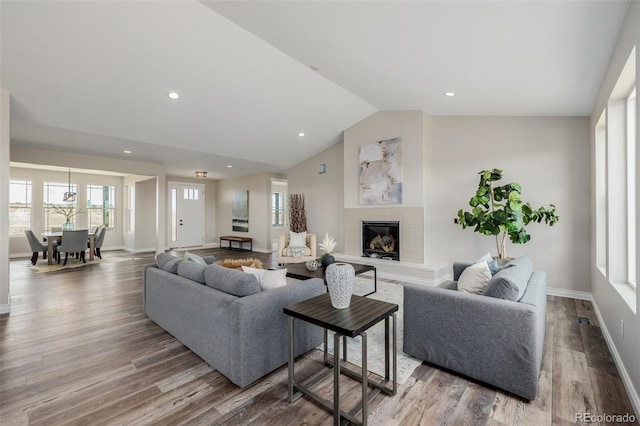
499, 211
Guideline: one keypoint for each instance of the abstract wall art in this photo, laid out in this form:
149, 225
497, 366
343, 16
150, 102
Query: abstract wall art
240, 211
380, 172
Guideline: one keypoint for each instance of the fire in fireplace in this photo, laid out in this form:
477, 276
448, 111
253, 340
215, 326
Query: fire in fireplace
381, 240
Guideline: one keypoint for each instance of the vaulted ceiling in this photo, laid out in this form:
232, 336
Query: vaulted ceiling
93, 77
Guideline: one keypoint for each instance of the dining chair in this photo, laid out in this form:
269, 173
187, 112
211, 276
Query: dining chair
73, 242
98, 239
36, 246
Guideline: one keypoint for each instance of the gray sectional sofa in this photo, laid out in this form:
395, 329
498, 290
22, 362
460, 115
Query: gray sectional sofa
225, 318
496, 337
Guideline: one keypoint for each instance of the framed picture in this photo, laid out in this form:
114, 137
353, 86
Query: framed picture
380, 172
240, 211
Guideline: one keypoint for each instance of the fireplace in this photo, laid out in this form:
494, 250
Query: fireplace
381, 240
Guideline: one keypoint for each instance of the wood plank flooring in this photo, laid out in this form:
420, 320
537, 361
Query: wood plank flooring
77, 349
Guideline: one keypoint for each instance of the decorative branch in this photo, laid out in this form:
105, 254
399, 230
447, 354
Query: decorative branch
67, 210
297, 213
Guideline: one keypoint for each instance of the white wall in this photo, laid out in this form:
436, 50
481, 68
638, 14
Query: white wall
259, 187
145, 214
610, 303
5, 144
408, 125
323, 193
548, 156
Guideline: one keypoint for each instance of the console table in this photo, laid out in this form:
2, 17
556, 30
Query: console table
362, 314
239, 240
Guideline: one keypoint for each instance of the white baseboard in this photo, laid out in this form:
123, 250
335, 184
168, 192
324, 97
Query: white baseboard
5, 309
571, 294
626, 380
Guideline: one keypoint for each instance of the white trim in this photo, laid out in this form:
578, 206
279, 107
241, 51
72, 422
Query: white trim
5, 309
571, 294
626, 380
429, 274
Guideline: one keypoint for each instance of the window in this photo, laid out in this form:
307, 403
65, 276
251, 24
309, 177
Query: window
277, 203
174, 214
131, 207
101, 206
191, 194
616, 184
19, 207
53, 196
631, 188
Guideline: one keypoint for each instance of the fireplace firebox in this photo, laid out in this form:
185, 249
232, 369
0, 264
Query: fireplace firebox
381, 239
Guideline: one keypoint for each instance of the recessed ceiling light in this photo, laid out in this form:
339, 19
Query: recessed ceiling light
126, 151
450, 94
301, 134
173, 95
229, 166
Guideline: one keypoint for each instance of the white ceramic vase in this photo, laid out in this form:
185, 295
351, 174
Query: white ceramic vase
339, 278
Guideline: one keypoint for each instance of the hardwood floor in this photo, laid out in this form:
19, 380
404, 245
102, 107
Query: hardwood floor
77, 349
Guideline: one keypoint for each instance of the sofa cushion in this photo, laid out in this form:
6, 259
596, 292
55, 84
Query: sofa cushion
268, 279
511, 281
475, 278
193, 271
168, 262
231, 281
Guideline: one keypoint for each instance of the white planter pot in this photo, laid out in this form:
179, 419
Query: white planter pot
339, 278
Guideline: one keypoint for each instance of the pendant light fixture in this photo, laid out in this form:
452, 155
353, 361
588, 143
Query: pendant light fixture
69, 196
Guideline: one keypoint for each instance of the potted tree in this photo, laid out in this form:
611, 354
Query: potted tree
499, 211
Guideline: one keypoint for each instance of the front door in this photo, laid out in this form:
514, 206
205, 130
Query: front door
186, 214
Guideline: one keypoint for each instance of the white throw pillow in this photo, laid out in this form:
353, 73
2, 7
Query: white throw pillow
268, 279
194, 258
475, 278
298, 239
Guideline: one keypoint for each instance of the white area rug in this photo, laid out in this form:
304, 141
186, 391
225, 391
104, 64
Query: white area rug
387, 292
42, 265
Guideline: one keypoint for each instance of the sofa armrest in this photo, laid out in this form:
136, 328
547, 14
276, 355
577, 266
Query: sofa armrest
489, 339
258, 321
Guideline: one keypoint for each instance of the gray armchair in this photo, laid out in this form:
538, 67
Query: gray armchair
36, 247
487, 338
73, 242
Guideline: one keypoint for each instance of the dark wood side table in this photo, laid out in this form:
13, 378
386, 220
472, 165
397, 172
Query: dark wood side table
362, 314
300, 272
239, 240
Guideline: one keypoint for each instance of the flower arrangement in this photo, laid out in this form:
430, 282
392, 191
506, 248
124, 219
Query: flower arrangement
68, 211
327, 245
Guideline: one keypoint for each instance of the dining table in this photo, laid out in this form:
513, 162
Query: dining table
50, 237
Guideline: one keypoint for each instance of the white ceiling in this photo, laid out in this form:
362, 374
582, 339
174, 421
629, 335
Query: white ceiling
92, 77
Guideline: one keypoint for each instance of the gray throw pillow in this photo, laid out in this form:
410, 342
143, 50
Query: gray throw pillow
511, 281
172, 265
162, 258
231, 281
168, 262
192, 270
